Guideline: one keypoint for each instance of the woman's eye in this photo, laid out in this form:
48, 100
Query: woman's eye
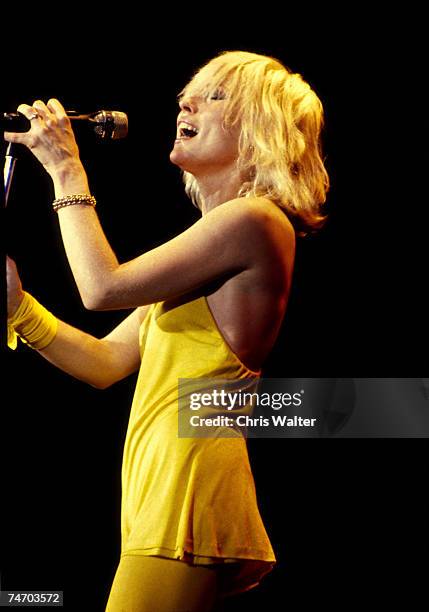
217, 95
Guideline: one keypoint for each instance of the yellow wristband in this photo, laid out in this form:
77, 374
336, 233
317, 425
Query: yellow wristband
32, 323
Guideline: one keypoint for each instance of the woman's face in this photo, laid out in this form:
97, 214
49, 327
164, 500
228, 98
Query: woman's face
202, 144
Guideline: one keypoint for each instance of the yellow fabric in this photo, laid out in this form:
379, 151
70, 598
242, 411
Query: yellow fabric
154, 584
191, 499
32, 323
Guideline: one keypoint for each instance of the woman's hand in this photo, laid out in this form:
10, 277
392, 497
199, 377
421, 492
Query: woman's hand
50, 138
15, 293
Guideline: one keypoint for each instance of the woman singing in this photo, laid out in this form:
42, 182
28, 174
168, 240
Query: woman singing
208, 304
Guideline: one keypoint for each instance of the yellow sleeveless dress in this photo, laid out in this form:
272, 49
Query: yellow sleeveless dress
191, 499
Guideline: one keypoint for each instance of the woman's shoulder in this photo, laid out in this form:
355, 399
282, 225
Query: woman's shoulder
263, 215
259, 227
253, 225
259, 208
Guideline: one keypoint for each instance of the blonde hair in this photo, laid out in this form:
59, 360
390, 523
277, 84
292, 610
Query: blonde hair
281, 119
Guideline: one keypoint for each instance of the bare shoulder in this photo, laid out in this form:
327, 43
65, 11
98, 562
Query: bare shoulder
253, 215
258, 222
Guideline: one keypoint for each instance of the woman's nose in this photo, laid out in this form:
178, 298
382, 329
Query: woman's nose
188, 103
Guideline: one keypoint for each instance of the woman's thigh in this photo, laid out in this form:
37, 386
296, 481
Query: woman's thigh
145, 584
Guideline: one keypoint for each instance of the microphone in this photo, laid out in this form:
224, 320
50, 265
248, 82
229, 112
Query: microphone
107, 124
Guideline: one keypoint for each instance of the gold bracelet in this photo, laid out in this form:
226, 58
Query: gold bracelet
70, 200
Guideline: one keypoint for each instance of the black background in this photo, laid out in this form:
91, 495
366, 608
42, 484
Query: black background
347, 519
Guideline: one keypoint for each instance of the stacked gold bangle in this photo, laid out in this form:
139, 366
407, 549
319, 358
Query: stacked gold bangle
70, 200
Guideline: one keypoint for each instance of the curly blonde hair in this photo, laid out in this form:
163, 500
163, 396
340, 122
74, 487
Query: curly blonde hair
281, 119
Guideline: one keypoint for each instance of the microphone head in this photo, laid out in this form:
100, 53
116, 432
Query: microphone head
111, 124
14, 122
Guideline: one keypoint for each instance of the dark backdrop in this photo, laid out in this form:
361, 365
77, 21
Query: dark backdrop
346, 518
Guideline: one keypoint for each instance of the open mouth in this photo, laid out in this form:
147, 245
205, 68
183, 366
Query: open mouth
186, 131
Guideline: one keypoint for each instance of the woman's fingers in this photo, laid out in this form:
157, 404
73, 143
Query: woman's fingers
18, 137
15, 292
42, 110
10, 263
33, 115
28, 111
50, 138
49, 117
59, 111
13, 280
56, 107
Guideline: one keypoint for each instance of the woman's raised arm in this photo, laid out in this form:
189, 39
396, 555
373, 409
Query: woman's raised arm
215, 246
